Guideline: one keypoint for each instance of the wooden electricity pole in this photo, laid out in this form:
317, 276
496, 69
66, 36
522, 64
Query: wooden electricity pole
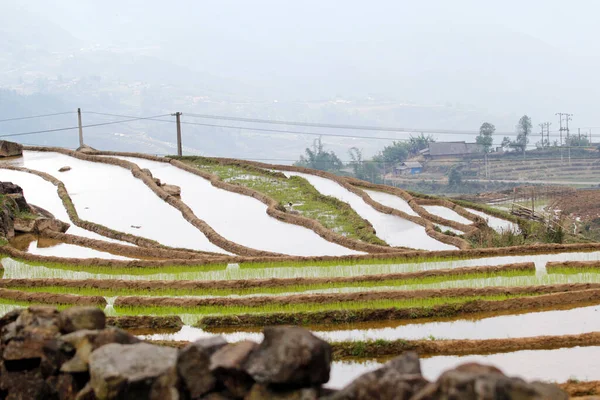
178, 119
80, 127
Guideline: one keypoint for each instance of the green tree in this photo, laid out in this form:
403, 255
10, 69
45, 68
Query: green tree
418, 143
363, 169
318, 158
485, 137
576, 140
506, 143
454, 176
523, 131
395, 153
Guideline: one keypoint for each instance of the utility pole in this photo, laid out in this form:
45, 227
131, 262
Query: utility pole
567, 119
542, 125
80, 127
548, 133
560, 119
579, 135
178, 120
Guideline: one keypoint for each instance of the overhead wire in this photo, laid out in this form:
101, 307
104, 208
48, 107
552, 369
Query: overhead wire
37, 116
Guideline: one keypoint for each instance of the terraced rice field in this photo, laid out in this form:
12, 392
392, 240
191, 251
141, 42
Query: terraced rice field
225, 263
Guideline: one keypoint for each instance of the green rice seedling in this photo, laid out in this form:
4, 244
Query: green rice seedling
272, 308
504, 278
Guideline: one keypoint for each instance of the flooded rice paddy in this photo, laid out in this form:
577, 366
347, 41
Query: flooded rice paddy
239, 218
42, 193
49, 247
16, 269
498, 224
448, 214
390, 228
116, 199
392, 201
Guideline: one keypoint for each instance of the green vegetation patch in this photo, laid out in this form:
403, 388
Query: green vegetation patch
271, 308
309, 202
475, 280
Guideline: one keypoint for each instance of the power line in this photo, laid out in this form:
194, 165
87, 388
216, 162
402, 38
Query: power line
340, 126
84, 126
36, 116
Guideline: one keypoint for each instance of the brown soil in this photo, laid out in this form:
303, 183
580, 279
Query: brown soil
146, 322
580, 389
572, 265
252, 301
256, 283
588, 294
51, 298
581, 203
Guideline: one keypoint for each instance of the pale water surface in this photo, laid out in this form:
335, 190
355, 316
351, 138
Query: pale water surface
394, 230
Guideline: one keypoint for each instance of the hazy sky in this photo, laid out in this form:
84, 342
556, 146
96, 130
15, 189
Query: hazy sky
506, 57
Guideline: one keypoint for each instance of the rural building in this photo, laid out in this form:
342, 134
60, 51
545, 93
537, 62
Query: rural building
408, 168
452, 149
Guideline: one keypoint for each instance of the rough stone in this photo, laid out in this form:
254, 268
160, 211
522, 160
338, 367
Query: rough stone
25, 385
113, 335
76, 318
137, 371
290, 356
10, 188
193, 365
227, 365
64, 169
398, 379
20, 202
482, 382
81, 342
10, 149
261, 391
172, 190
38, 316
26, 349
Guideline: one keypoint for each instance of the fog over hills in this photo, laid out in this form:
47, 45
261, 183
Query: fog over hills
431, 65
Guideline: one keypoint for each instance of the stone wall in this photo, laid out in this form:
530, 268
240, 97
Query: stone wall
47, 354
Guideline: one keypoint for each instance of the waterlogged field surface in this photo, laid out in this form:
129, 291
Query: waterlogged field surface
17, 269
563, 322
448, 214
239, 218
111, 196
391, 200
392, 229
557, 365
42, 193
66, 250
498, 224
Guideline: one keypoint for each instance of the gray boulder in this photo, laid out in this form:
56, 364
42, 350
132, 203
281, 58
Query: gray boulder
76, 318
481, 382
227, 365
193, 365
290, 356
398, 379
10, 149
137, 371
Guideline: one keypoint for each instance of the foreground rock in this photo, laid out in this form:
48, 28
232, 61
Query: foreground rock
68, 355
16, 215
10, 149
